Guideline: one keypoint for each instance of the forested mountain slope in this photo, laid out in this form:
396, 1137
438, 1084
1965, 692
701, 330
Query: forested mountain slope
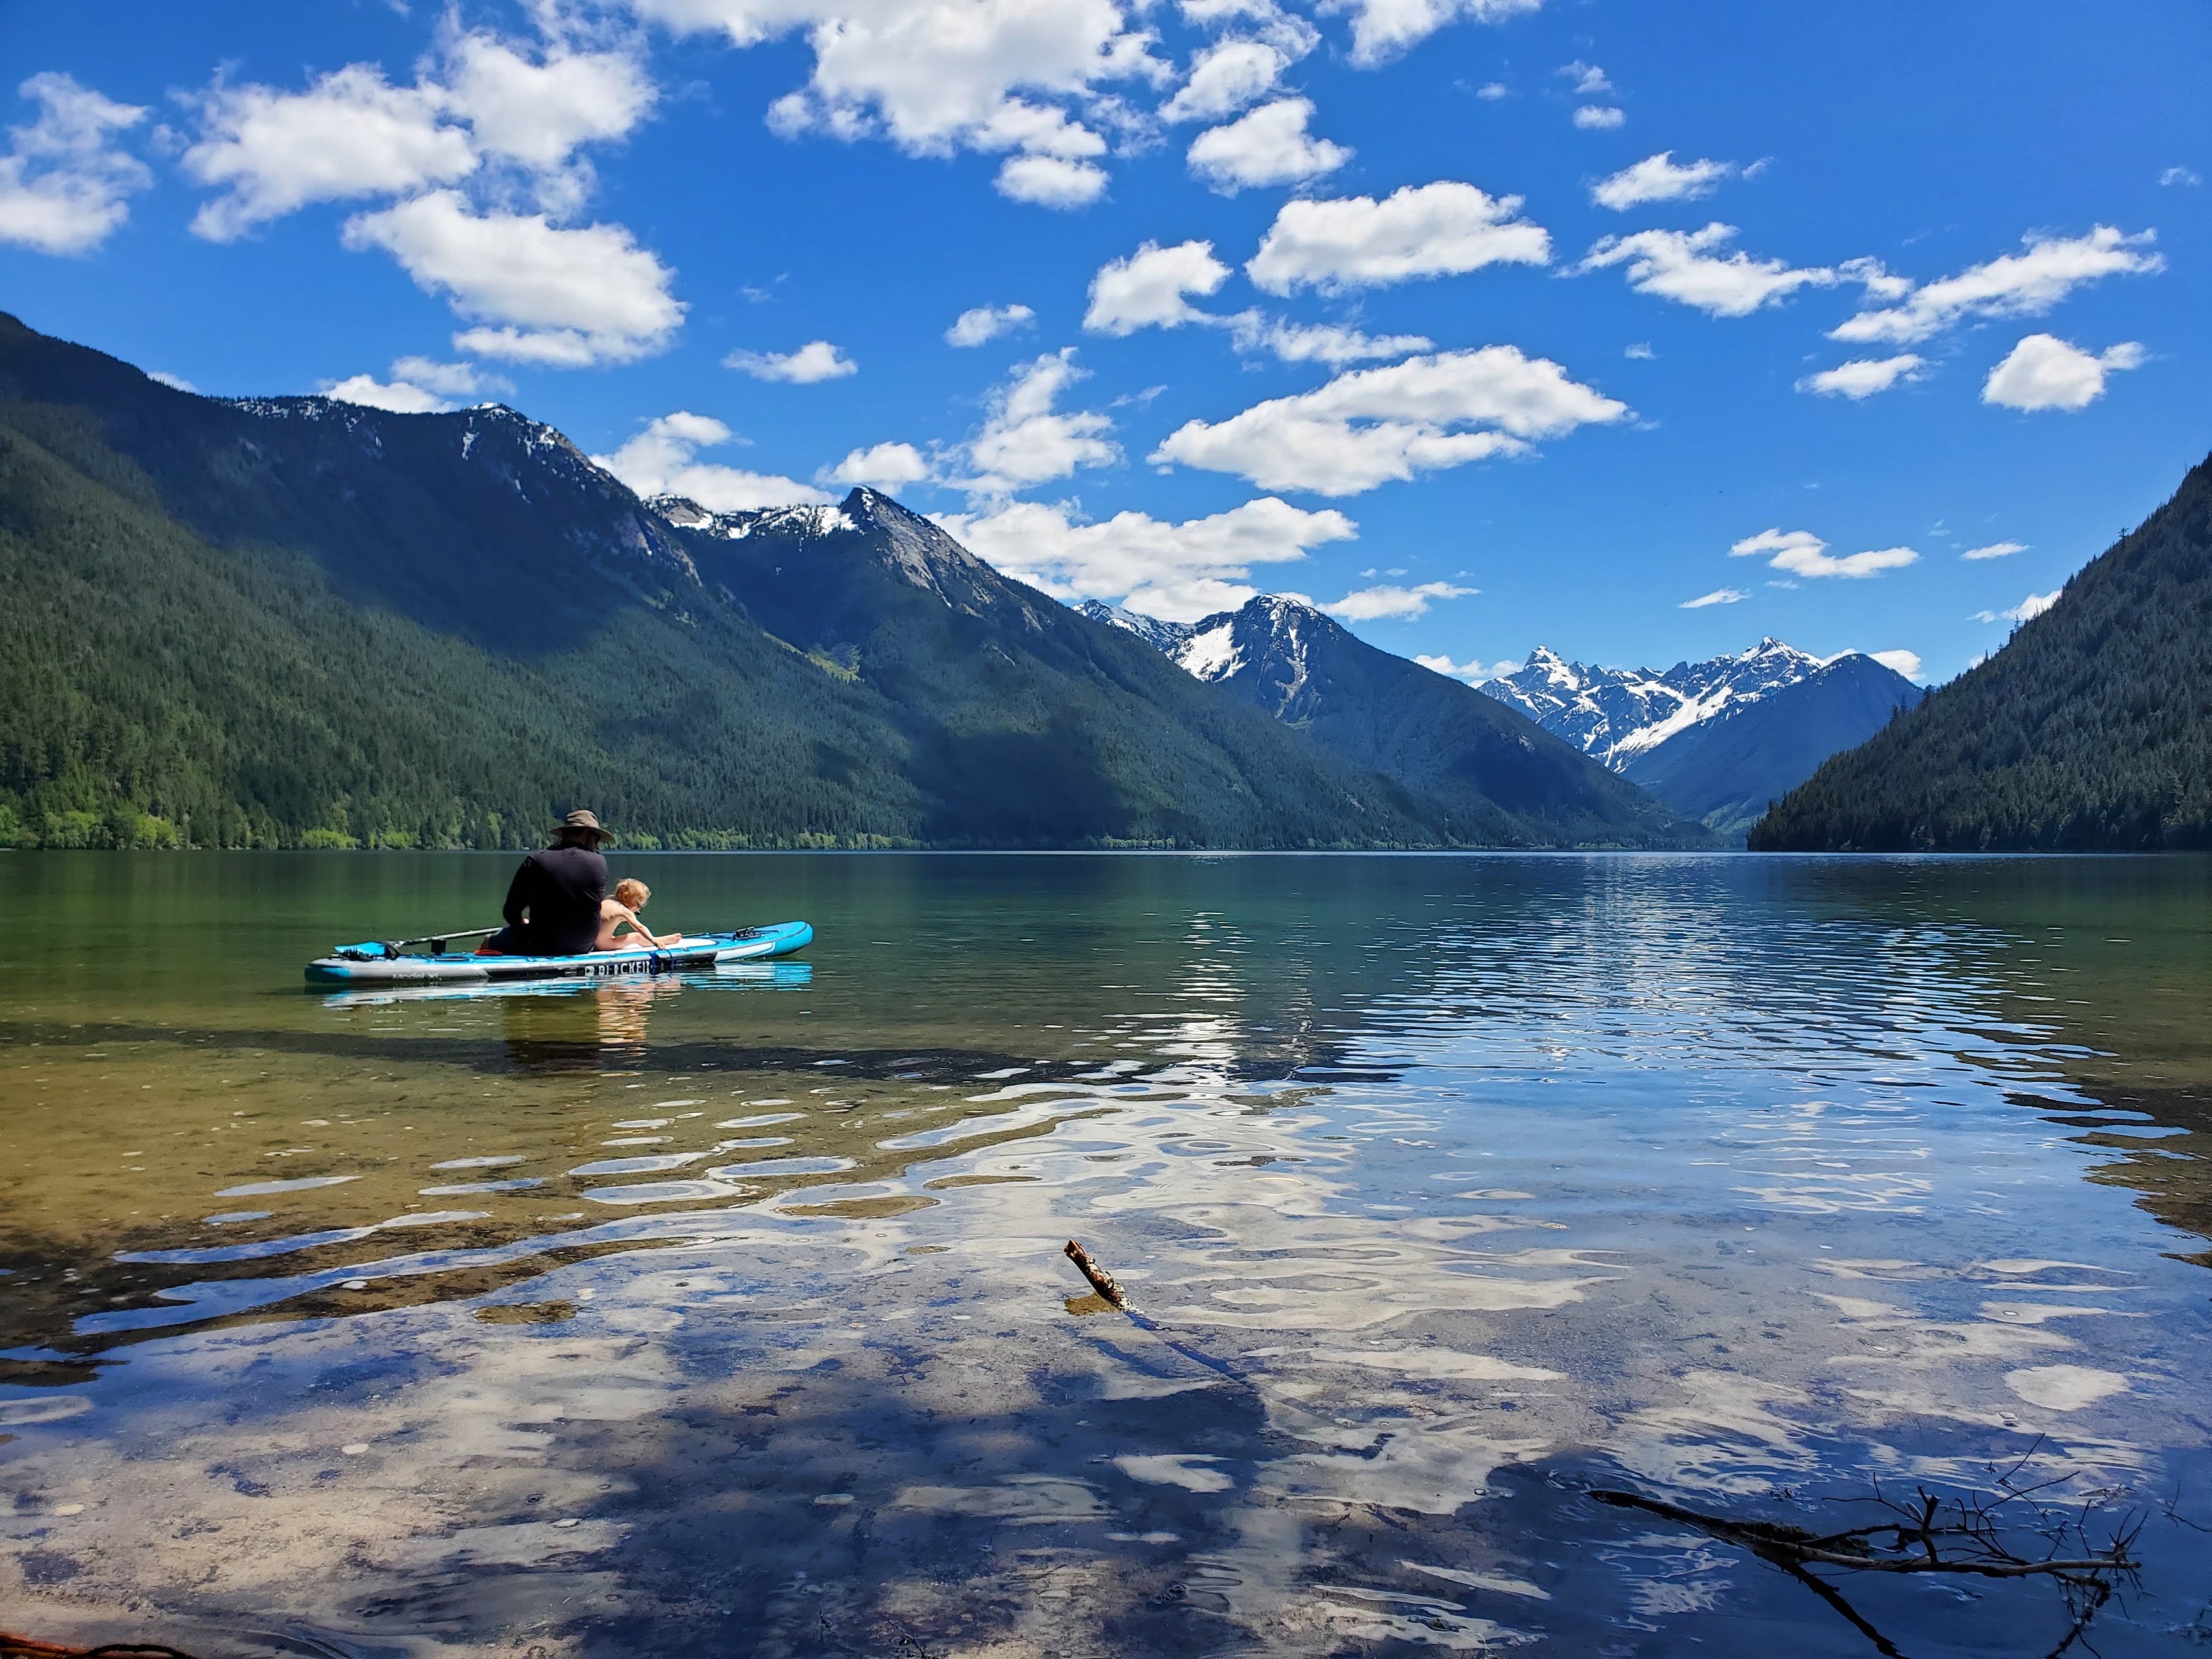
298, 621
2091, 729
1019, 713
154, 688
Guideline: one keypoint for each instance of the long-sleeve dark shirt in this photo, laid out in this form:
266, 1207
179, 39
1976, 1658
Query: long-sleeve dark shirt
560, 888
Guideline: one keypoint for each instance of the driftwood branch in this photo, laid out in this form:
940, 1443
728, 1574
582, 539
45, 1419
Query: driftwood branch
1786, 1545
1101, 1281
1979, 1534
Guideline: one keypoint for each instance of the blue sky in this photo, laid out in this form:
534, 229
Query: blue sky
1487, 323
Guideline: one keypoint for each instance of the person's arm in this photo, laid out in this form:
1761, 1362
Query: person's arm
623, 913
518, 894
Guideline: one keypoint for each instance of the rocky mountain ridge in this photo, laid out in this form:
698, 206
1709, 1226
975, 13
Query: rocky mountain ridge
1615, 714
1503, 777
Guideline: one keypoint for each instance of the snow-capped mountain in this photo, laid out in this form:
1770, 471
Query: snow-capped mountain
1166, 637
1271, 636
1271, 640
1614, 714
1716, 739
1502, 781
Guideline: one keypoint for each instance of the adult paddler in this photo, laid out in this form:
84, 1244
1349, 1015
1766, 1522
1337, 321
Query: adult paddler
552, 906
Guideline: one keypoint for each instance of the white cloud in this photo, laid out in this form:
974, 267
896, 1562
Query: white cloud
2026, 611
175, 382
2014, 285
1268, 146
1180, 571
2045, 371
1474, 673
1589, 80
538, 114
1370, 426
1863, 377
1995, 551
1224, 77
1599, 118
1266, 14
563, 296
1318, 343
397, 397
1441, 230
658, 462
987, 322
1050, 181
449, 380
1400, 603
1641, 351
1490, 92
419, 386
545, 348
1024, 440
1658, 178
351, 134
815, 362
1718, 596
1802, 553
2179, 176
1685, 267
1380, 29
1906, 663
63, 186
934, 77
888, 467
1146, 289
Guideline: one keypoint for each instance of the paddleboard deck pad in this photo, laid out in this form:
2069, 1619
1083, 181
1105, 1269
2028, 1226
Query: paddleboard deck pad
375, 964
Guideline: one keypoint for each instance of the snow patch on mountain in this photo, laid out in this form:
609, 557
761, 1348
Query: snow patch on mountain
1614, 714
1168, 638
802, 522
1273, 629
1210, 652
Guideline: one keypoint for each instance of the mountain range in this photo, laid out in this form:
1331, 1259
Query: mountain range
2090, 729
1498, 777
1717, 740
299, 622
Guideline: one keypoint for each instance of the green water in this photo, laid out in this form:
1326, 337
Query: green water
727, 1313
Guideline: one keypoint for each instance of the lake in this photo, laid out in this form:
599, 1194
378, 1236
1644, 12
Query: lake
727, 1314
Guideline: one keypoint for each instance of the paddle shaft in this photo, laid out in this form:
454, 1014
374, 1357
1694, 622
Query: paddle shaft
439, 939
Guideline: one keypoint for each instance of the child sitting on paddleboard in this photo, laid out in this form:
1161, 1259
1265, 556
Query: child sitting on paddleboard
619, 911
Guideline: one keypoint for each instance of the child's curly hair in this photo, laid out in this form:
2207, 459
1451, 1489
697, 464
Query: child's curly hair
631, 891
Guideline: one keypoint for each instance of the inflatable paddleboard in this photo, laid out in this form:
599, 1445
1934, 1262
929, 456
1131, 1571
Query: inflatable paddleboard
375, 964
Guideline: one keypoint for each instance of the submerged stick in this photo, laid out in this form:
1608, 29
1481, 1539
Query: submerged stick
1101, 1281
1110, 1292
1790, 1544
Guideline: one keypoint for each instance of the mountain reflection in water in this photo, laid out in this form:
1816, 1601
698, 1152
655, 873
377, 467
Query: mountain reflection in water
727, 1313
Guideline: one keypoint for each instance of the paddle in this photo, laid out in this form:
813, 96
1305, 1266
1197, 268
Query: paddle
437, 942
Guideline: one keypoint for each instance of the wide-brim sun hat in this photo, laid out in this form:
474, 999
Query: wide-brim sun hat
582, 823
